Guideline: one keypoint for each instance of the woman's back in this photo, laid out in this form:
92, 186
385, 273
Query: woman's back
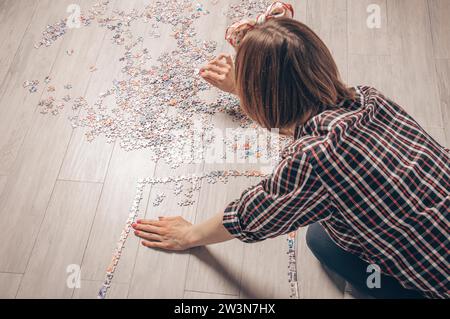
389, 183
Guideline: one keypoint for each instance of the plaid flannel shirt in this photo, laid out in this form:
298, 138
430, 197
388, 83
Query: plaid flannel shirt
375, 180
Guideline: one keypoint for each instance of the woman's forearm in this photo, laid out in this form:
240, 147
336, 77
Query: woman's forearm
209, 232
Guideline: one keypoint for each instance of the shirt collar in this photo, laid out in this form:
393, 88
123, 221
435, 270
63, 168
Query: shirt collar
299, 130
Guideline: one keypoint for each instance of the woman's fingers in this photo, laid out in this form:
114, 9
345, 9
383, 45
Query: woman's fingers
148, 222
210, 80
167, 217
154, 244
225, 67
213, 76
149, 229
171, 235
222, 56
215, 68
228, 59
148, 236
223, 61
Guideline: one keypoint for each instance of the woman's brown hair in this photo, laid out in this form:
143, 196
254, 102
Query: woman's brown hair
285, 74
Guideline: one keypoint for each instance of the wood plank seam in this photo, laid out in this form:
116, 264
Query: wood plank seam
35, 114
59, 170
84, 94
93, 219
17, 50
139, 247
211, 293
137, 250
38, 233
435, 73
72, 180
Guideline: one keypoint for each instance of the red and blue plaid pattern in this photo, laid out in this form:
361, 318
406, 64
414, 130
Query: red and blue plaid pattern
377, 182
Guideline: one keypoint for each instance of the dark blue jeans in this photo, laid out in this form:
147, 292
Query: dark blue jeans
353, 269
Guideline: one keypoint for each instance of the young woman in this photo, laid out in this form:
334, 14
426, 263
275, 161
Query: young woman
371, 182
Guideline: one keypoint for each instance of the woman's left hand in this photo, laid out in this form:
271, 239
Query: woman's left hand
169, 233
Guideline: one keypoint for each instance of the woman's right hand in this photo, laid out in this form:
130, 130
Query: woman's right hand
220, 73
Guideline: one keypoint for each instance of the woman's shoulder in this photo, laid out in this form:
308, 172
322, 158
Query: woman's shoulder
303, 146
366, 99
318, 131
369, 95
321, 130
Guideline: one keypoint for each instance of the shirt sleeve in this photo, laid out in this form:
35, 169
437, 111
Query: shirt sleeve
292, 197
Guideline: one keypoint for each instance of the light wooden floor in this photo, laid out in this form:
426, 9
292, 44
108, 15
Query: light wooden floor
64, 201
